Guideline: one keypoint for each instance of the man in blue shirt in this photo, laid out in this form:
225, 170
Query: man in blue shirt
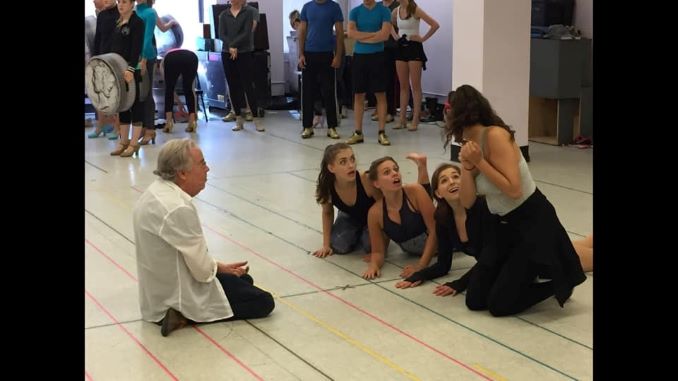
370, 25
320, 53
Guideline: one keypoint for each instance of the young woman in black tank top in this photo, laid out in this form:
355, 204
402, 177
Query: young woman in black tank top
340, 184
404, 213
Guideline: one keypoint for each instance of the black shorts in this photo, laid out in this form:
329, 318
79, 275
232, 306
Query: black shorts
413, 51
369, 72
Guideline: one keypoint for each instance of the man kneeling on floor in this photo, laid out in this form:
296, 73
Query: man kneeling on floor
179, 283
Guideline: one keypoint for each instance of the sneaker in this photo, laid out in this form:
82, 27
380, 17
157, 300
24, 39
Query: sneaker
383, 139
229, 117
307, 133
248, 116
332, 133
355, 138
257, 124
239, 124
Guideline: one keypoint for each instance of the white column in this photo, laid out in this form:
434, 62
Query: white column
491, 52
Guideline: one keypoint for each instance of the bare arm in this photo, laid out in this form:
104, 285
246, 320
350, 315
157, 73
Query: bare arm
425, 206
467, 189
328, 219
301, 36
374, 226
433, 24
394, 23
164, 27
501, 165
339, 49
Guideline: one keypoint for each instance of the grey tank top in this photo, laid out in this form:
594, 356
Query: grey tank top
497, 201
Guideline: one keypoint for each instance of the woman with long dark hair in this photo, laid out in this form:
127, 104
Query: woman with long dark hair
526, 239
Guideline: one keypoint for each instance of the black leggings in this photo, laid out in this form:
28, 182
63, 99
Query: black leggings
247, 300
184, 63
240, 78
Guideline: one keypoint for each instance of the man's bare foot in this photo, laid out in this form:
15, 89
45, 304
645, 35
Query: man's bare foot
418, 158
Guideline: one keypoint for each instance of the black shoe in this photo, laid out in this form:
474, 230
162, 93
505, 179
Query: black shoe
173, 320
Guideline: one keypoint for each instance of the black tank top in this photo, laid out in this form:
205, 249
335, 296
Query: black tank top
411, 223
362, 203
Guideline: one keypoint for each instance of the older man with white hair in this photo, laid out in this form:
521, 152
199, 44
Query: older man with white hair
179, 281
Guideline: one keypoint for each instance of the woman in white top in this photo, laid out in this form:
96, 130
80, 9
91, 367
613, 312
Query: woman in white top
410, 57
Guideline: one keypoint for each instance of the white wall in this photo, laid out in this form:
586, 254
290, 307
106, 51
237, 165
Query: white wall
437, 78
583, 17
467, 35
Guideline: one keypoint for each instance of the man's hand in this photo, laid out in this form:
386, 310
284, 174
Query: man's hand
336, 62
233, 52
237, 268
302, 62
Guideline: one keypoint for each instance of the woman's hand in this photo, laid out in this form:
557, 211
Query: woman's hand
409, 270
407, 284
372, 272
323, 252
471, 153
444, 290
128, 76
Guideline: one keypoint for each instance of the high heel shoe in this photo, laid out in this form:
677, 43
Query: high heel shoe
169, 125
192, 126
131, 150
148, 136
120, 149
100, 130
401, 124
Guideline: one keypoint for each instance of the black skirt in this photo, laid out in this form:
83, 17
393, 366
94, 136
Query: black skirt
533, 230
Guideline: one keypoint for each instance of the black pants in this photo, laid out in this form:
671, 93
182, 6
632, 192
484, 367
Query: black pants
247, 300
240, 78
318, 78
135, 114
149, 102
184, 63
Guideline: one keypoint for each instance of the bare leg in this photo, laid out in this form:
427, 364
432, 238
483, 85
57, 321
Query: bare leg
415, 68
422, 172
584, 249
359, 110
403, 77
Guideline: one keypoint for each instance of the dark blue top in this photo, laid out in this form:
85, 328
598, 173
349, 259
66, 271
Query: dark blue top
411, 223
363, 202
320, 19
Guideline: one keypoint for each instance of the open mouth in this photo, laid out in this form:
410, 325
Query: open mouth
453, 190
